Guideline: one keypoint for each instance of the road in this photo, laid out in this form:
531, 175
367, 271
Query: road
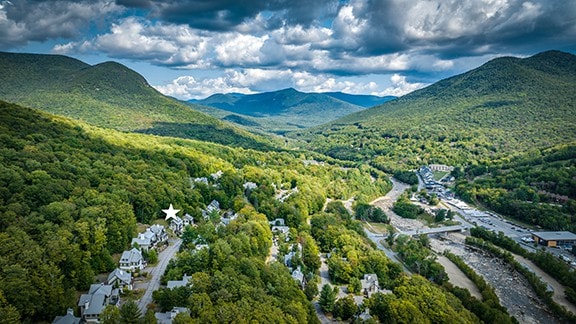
156, 272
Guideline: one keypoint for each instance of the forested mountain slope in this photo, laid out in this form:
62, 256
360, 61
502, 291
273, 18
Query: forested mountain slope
538, 187
72, 194
507, 105
108, 95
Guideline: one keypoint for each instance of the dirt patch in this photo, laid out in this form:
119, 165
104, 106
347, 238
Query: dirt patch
457, 277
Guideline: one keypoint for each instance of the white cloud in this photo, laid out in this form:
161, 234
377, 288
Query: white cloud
400, 86
261, 80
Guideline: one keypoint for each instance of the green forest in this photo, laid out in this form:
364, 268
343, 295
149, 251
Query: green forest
71, 196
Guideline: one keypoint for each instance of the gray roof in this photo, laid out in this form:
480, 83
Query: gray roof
556, 236
69, 318
178, 283
96, 305
100, 289
132, 256
122, 275
156, 229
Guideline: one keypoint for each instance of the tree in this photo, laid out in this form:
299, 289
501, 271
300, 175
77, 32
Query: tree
345, 308
110, 315
355, 285
440, 215
327, 298
130, 314
152, 257
8, 313
150, 317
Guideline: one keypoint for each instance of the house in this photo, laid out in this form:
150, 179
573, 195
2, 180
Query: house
132, 260
369, 284
168, 317
188, 220
216, 175
143, 240
228, 217
288, 258
213, 207
178, 283
280, 229
249, 185
298, 276
277, 222
93, 303
120, 279
177, 224
69, 318
160, 234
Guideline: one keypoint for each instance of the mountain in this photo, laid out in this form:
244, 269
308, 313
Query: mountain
108, 95
501, 108
366, 101
283, 110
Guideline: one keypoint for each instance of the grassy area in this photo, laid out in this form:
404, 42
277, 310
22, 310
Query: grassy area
377, 228
439, 174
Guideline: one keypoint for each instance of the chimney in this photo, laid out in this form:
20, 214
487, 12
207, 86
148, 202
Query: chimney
70, 311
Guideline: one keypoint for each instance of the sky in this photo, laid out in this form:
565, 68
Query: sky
191, 49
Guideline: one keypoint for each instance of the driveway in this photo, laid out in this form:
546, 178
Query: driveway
157, 272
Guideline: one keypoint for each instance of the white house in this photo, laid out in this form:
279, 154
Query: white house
369, 284
188, 220
132, 260
177, 224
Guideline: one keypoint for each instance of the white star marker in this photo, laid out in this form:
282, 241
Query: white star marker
170, 212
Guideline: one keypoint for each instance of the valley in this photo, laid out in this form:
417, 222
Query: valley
292, 210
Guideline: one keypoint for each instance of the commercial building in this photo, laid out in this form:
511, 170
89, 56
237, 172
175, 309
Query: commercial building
553, 239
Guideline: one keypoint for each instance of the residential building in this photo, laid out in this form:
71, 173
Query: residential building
369, 284
160, 234
69, 318
188, 220
120, 279
178, 283
143, 240
93, 303
277, 222
132, 260
168, 317
177, 224
213, 207
298, 276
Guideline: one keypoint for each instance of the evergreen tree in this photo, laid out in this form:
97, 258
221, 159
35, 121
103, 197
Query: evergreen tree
130, 314
327, 298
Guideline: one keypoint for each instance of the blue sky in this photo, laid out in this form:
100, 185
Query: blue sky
195, 48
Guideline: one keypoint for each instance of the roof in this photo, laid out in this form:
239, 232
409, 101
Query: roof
100, 289
122, 275
69, 318
555, 236
96, 305
156, 229
178, 283
132, 256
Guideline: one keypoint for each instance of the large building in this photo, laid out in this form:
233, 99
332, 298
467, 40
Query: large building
553, 239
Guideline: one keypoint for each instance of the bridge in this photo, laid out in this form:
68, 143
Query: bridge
437, 230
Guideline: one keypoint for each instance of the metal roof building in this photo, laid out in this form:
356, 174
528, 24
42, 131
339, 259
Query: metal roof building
552, 239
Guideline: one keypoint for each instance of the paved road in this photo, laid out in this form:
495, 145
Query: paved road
156, 272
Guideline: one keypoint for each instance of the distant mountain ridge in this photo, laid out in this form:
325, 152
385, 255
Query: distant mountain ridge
288, 108
109, 95
503, 107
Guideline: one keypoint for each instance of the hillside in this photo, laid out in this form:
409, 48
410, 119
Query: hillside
108, 95
71, 196
504, 107
284, 110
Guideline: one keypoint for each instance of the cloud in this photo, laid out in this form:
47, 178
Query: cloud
23, 21
261, 80
225, 15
